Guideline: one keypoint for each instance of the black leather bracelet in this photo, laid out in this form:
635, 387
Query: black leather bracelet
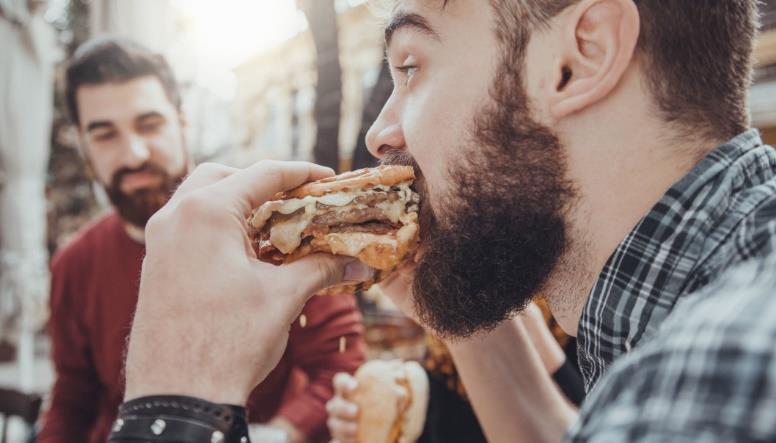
179, 419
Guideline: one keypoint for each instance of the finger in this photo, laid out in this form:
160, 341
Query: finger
342, 409
344, 383
203, 175
398, 286
533, 313
315, 272
344, 431
258, 183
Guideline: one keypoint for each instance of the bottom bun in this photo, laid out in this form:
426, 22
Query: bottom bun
392, 397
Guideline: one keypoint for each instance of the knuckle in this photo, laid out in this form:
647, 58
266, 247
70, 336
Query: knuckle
195, 204
270, 164
208, 168
533, 312
270, 170
154, 223
340, 378
350, 429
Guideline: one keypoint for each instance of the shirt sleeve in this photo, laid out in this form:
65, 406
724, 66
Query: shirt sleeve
328, 339
73, 406
708, 375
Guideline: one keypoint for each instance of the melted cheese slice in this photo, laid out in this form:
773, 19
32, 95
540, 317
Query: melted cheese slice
287, 235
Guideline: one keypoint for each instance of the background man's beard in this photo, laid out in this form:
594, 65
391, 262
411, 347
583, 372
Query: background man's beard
136, 208
502, 226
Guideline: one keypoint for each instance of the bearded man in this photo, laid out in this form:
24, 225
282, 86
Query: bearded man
127, 108
597, 152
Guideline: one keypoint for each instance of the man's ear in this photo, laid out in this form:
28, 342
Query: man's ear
598, 42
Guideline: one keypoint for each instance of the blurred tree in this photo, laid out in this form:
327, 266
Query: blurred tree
322, 18
379, 95
768, 9
71, 202
26, 71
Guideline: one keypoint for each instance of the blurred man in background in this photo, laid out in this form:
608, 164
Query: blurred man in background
126, 105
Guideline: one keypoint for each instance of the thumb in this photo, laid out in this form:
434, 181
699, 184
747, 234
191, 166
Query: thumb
318, 271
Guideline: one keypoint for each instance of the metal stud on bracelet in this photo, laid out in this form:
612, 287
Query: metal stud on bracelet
157, 427
217, 437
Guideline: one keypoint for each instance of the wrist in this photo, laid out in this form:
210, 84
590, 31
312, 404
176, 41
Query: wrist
155, 373
194, 388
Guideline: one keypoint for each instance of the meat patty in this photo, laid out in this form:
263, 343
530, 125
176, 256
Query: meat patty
367, 228
349, 216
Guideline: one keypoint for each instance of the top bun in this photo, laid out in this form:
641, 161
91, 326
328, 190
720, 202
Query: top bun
386, 175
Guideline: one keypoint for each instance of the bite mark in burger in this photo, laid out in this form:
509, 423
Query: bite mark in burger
370, 214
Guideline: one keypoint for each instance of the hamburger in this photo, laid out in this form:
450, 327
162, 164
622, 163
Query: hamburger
370, 214
392, 398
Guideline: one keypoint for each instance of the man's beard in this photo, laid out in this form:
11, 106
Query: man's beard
137, 207
498, 233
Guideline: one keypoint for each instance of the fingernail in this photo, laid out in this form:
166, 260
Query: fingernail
351, 409
357, 271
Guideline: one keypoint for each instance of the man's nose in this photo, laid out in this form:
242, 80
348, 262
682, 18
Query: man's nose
386, 134
137, 152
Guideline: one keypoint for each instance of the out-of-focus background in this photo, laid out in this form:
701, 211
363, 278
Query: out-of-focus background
279, 79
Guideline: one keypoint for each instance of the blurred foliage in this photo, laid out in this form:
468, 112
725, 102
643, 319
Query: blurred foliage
322, 18
71, 202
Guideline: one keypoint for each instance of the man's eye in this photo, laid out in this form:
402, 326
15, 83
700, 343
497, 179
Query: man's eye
152, 126
104, 136
408, 72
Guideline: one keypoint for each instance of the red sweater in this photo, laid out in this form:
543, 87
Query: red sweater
93, 295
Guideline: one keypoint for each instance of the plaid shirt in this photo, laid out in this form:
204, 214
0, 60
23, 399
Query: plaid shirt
709, 375
715, 217
710, 372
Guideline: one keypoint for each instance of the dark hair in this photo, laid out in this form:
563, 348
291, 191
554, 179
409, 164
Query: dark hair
697, 55
112, 60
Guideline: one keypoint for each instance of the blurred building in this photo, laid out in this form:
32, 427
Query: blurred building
276, 92
762, 98
163, 26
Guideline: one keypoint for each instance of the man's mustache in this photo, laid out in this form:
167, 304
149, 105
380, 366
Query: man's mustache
147, 167
400, 157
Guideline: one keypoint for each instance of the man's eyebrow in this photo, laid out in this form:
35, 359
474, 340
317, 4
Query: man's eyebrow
411, 21
99, 124
150, 114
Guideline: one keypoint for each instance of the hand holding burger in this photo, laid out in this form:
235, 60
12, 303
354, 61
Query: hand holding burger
231, 311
